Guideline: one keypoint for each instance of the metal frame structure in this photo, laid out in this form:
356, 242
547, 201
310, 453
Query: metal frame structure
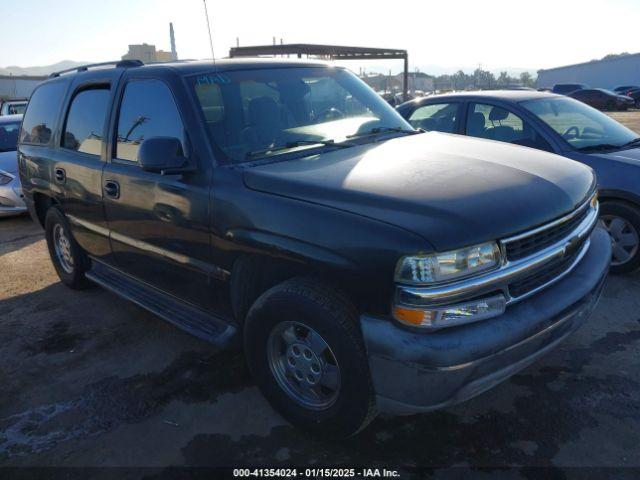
330, 52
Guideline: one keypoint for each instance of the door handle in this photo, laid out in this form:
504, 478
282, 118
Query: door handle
60, 175
111, 188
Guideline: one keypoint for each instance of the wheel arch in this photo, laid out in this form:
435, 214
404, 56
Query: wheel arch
42, 203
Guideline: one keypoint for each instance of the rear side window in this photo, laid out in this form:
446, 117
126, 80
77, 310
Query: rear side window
439, 117
84, 126
147, 110
41, 115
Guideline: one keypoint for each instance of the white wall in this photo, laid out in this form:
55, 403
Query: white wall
602, 74
17, 87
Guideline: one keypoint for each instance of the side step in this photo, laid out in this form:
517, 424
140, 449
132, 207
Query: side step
212, 328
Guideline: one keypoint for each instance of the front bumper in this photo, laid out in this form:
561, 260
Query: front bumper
11, 199
422, 371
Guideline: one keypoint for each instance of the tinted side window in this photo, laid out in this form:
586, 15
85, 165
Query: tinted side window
39, 120
496, 123
440, 117
147, 110
85, 121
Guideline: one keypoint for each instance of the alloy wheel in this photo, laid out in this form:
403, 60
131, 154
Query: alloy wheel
62, 247
624, 238
303, 365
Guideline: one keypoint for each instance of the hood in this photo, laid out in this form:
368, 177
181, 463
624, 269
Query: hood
451, 190
9, 162
630, 155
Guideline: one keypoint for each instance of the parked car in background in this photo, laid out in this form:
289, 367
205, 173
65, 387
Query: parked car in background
624, 89
603, 99
566, 88
635, 95
13, 107
11, 198
556, 124
365, 266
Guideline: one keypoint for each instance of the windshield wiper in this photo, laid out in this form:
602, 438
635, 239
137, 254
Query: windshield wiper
378, 130
297, 143
600, 146
632, 142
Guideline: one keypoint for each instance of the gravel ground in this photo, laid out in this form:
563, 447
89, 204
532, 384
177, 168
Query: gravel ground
92, 380
89, 379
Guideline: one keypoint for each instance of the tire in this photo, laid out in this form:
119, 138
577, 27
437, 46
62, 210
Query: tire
610, 106
622, 238
309, 309
69, 260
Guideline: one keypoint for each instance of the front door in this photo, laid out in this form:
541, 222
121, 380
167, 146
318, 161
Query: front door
159, 224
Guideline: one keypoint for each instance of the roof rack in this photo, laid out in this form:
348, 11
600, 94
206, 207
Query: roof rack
84, 68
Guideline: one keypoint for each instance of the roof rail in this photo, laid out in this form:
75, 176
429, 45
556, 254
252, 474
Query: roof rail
84, 68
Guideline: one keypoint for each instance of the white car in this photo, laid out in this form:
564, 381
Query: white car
11, 202
13, 107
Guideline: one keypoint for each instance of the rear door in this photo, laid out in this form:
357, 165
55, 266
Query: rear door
159, 224
79, 160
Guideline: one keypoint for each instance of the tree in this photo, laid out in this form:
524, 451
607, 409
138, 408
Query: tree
504, 78
527, 80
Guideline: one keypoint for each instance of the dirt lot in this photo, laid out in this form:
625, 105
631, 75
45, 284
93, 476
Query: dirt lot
88, 379
630, 118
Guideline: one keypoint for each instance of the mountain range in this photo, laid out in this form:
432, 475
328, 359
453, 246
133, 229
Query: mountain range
42, 70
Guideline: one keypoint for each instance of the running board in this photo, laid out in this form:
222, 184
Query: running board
211, 328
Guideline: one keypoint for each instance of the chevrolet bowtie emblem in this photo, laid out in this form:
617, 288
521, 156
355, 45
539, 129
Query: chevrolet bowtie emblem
571, 247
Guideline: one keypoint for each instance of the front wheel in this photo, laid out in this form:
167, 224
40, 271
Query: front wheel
622, 222
306, 353
67, 257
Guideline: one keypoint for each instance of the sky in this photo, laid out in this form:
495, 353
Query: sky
492, 33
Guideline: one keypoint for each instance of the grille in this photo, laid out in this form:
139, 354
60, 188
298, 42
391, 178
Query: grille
523, 247
544, 275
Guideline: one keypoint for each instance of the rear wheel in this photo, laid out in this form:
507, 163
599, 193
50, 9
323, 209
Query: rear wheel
306, 353
67, 257
622, 222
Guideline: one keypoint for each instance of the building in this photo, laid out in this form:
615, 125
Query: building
606, 73
419, 81
18, 86
148, 53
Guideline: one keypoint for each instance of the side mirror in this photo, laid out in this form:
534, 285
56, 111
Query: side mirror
163, 155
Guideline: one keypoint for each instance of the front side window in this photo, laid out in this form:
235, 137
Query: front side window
147, 110
579, 125
9, 136
441, 117
497, 123
42, 113
84, 127
262, 112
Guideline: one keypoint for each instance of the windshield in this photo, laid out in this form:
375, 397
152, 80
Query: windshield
580, 125
264, 112
9, 136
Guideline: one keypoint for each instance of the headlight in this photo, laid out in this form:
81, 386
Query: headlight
5, 178
440, 267
452, 315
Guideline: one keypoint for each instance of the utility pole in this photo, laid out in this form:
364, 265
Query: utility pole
206, 14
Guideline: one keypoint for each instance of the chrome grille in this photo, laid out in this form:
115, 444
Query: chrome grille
524, 246
544, 276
